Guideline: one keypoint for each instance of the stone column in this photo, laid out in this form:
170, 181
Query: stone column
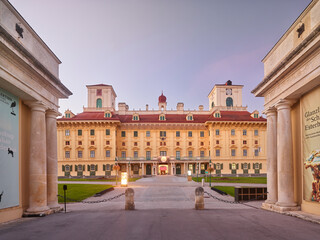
37, 160
142, 169
52, 159
272, 156
284, 156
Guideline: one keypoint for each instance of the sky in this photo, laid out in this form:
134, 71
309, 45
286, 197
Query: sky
144, 47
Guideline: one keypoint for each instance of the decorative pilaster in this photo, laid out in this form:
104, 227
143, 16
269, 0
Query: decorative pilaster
272, 155
285, 157
37, 161
52, 159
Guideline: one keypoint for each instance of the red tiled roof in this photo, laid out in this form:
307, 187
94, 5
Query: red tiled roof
170, 118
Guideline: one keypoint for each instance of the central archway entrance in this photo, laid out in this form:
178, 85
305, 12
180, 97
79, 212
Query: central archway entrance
163, 169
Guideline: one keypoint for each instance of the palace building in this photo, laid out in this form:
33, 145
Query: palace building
226, 138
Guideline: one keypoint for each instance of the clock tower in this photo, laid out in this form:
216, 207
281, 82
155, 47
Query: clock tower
226, 97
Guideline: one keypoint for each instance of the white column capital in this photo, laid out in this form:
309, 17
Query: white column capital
283, 104
52, 113
271, 111
36, 106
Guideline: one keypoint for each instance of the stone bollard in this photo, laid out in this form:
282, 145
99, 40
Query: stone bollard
199, 200
129, 205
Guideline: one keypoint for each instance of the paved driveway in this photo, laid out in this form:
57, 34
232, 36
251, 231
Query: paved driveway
164, 210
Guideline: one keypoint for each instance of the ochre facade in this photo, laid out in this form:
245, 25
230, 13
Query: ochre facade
152, 142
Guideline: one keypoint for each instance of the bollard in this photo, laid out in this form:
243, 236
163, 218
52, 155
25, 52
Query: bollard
202, 182
199, 200
129, 205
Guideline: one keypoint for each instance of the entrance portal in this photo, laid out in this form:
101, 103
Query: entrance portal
163, 169
148, 169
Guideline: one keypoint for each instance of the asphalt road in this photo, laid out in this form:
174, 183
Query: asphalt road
164, 210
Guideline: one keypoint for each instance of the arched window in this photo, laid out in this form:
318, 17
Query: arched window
99, 103
229, 102
212, 104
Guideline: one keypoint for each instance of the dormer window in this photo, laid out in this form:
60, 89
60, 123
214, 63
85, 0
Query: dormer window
255, 114
217, 114
68, 115
189, 117
162, 117
107, 114
135, 117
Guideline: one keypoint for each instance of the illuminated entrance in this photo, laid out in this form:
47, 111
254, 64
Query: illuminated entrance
163, 169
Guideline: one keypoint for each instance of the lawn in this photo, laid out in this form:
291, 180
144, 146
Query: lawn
262, 180
226, 189
80, 192
95, 179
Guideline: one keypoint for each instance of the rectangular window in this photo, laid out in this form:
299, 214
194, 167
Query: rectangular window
67, 142
79, 154
244, 132
135, 144
92, 132
189, 133
148, 155
123, 133
135, 133
148, 143
244, 141
201, 133
79, 132
217, 141
107, 131
217, 152
190, 143
217, 132
79, 142
202, 154
147, 133
163, 153
92, 142
123, 154
177, 133
256, 142
107, 142
232, 142
92, 153
163, 133
178, 155
123, 143
107, 153
190, 154
135, 154
67, 154
178, 143
201, 143
233, 152
67, 132
256, 132
256, 152
233, 132
245, 153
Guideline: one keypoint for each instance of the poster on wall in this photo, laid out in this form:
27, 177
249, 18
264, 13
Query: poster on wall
9, 150
310, 106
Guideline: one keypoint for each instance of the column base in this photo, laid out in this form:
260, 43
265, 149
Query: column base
280, 209
42, 213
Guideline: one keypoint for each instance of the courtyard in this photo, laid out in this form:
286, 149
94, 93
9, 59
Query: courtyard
164, 210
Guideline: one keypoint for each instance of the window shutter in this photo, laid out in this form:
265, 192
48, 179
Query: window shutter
241, 165
88, 167
221, 166
260, 165
111, 167
237, 165
96, 167
76, 168
63, 168
249, 166
70, 168
104, 167
230, 166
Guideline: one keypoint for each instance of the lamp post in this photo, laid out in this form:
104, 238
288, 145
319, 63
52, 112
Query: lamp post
116, 167
197, 168
129, 170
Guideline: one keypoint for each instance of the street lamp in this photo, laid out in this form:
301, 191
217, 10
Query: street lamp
210, 169
129, 170
197, 168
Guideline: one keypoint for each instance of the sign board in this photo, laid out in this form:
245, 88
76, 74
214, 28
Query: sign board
124, 179
9, 150
310, 108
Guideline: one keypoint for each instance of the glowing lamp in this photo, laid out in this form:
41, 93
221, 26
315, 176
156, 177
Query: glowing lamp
124, 179
189, 172
163, 159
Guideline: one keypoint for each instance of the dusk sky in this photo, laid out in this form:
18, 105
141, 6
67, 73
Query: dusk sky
143, 47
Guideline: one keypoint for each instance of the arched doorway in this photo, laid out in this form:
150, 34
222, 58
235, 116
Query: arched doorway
148, 169
229, 102
178, 169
